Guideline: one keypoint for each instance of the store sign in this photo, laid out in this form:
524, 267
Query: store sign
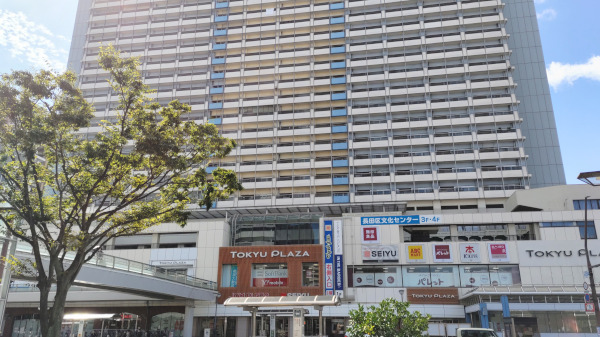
401, 220
498, 252
432, 295
442, 253
328, 247
172, 262
370, 234
470, 252
338, 250
265, 254
234, 276
566, 253
269, 282
415, 253
380, 253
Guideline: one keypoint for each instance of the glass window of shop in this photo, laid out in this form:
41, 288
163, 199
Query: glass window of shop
549, 322
483, 233
229, 275
290, 229
269, 275
169, 322
426, 233
310, 274
432, 275
26, 326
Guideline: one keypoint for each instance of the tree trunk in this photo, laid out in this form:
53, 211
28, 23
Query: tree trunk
51, 318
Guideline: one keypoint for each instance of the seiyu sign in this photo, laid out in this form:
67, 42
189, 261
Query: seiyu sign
555, 253
380, 253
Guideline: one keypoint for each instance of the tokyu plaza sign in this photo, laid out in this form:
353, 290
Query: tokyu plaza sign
401, 220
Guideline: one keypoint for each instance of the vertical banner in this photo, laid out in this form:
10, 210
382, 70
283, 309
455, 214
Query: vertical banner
338, 251
328, 246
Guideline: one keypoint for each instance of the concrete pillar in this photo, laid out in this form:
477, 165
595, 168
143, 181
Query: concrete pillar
188, 320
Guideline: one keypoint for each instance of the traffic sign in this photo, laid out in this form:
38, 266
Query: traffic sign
587, 298
589, 307
586, 286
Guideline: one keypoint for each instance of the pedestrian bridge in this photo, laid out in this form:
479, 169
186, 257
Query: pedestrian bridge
136, 278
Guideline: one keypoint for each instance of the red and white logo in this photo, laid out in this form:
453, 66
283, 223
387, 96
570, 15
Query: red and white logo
370, 234
442, 253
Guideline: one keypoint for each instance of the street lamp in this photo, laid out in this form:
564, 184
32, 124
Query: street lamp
593, 179
215, 322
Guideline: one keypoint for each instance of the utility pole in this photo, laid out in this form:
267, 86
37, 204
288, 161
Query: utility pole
591, 268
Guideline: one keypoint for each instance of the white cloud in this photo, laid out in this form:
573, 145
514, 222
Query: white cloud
539, 1
30, 42
547, 14
559, 73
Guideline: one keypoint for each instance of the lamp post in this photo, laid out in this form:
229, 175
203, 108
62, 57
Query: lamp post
593, 179
215, 322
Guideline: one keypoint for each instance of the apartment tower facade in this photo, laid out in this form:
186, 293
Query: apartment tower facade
345, 102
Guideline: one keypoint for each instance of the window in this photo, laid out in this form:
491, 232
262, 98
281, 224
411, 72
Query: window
580, 204
229, 275
269, 275
380, 276
310, 274
591, 230
426, 234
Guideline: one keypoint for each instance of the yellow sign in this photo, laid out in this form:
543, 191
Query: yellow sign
415, 252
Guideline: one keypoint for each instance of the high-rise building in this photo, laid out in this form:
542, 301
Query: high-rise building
346, 102
412, 129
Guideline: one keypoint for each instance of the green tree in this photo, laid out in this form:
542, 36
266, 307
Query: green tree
70, 191
390, 319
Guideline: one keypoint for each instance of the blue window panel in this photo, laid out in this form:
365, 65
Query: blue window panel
339, 163
210, 169
222, 5
337, 50
215, 121
337, 65
338, 95
339, 146
339, 19
218, 60
217, 75
337, 35
591, 230
339, 128
216, 105
220, 32
338, 112
219, 46
341, 199
340, 181
216, 90
337, 5
221, 18
338, 80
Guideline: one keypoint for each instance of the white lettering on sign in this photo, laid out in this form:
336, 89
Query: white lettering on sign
274, 253
433, 296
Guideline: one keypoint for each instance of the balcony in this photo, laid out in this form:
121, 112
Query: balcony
214, 76
339, 146
222, 4
337, 50
215, 105
220, 32
221, 18
341, 198
219, 46
339, 129
216, 121
338, 80
338, 65
336, 20
338, 112
336, 96
337, 35
339, 163
218, 60
337, 5
216, 90
340, 180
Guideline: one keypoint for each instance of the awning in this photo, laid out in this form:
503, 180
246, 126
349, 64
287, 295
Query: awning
283, 301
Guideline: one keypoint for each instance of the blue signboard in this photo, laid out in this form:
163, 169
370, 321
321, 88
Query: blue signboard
339, 273
400, 220
233, 280
328, 257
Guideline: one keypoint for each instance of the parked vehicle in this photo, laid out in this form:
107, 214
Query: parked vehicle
475, 332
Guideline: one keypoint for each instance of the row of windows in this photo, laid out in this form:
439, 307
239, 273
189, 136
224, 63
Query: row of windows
591, 231
432, 276
271, 275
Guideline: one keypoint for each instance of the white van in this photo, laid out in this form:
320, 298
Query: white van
475, 332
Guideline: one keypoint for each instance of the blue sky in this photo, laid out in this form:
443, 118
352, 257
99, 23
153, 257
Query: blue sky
34, 33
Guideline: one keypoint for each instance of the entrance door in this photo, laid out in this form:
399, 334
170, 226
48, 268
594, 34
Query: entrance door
283, 326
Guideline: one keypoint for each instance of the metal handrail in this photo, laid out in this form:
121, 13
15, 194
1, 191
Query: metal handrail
118, 263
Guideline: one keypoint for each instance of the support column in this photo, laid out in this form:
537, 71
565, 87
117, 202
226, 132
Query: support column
188, 320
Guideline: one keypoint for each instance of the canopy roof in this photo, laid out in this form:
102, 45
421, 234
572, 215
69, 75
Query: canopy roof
283, 301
